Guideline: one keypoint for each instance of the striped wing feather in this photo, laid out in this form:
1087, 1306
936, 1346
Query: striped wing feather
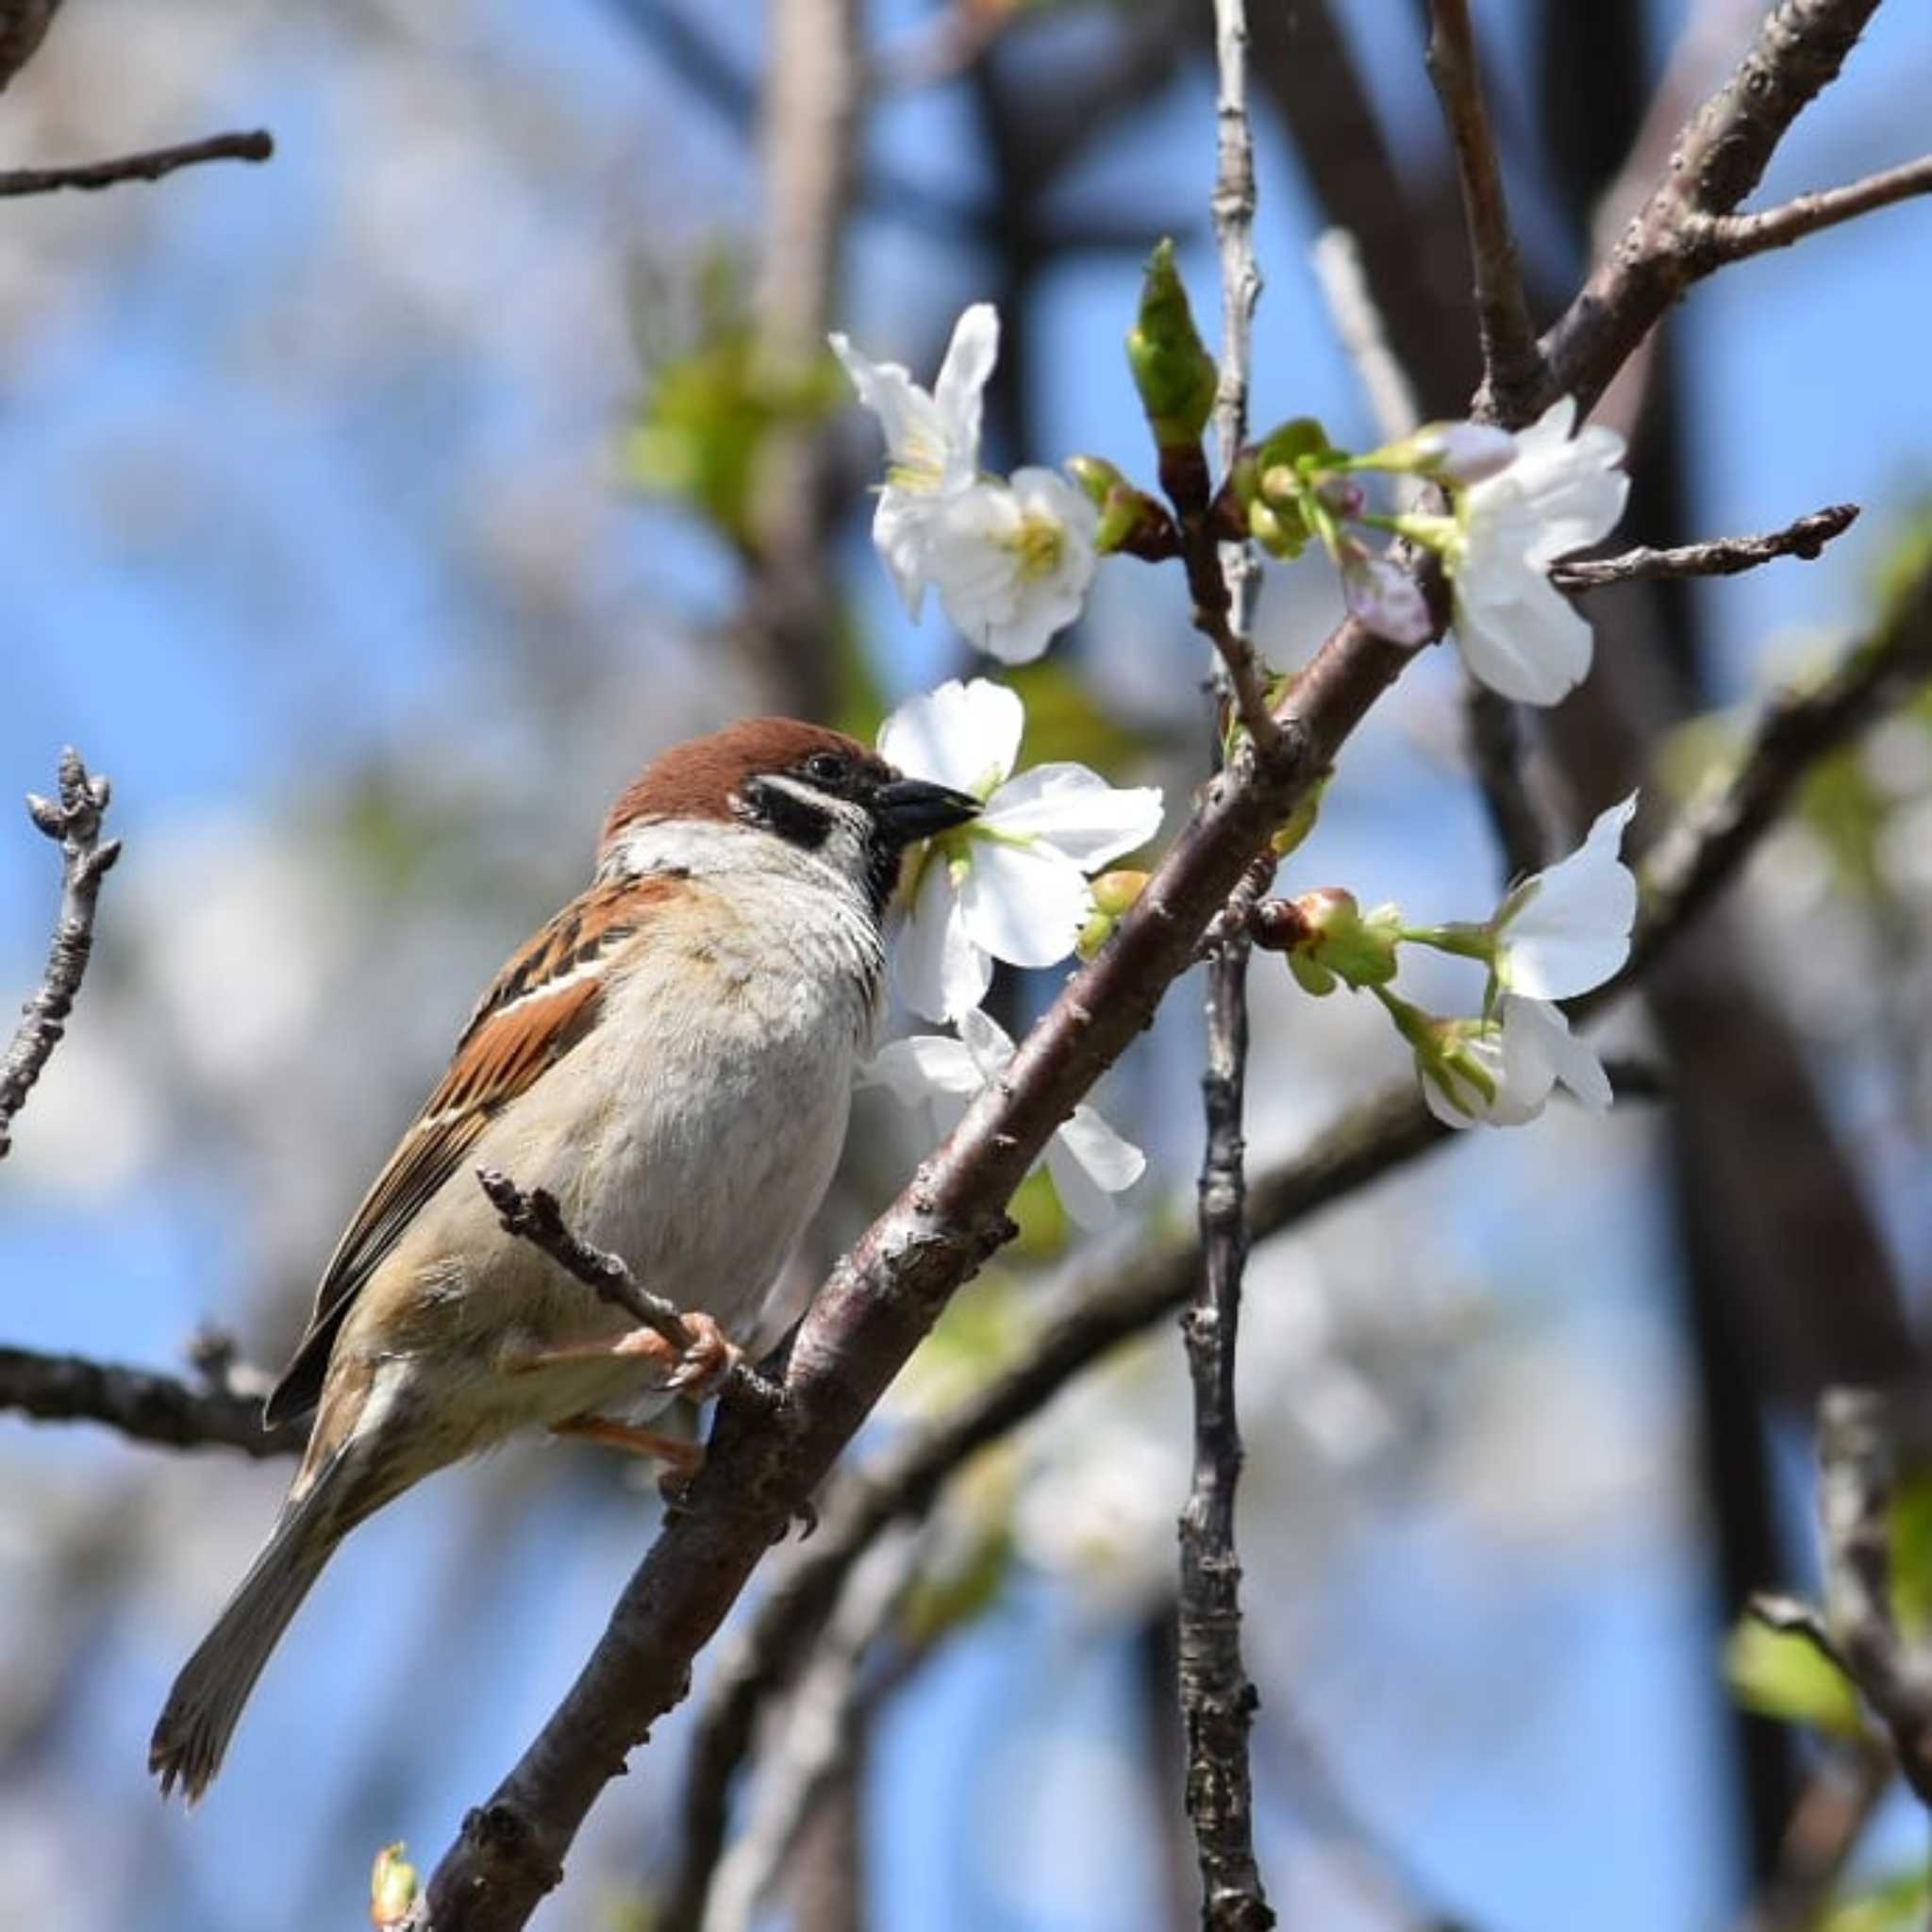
541, 1004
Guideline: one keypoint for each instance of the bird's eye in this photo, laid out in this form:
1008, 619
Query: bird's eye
827, 768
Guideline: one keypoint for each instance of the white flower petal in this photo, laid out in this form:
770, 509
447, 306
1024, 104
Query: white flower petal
958, 393
940, 972
1109, 1159
899, 534
1088, 1206
963, 735
1571, 487
987, 1044
1543, 1032
917, 1069
1568, 929
1024, 904
905, 412
1076, 811
1535, 650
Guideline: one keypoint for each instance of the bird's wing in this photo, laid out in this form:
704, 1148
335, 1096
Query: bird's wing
543, 1003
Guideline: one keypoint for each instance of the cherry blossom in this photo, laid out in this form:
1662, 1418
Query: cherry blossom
1011, 560
1089, 1161
1518, 633
1567, 929
1012, 884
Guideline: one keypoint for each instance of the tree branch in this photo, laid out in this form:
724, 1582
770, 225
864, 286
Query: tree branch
1733, 238
1217, 1699
1721, 556
819, 1724
73, 821
1512, 362
1857, 1472
147, 1406
1716, 161
1698, 856
535, 1217
150, 165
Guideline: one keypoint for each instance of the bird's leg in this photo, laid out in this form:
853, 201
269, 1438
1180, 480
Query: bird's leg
696, 1372
685, 1458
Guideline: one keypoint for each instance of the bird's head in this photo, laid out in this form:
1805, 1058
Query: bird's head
813, 790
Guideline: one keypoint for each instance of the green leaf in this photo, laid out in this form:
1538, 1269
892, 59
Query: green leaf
1892, 1906
941, 1602
1780, 1674
1911, 1555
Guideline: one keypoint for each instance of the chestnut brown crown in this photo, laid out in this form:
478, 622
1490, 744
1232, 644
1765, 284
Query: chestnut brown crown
805, 783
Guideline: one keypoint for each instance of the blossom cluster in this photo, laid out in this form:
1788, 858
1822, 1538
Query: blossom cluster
1012, 559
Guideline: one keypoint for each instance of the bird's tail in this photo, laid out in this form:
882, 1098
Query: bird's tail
206, 1703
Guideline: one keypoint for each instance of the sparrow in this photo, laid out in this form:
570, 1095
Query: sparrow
672, 1058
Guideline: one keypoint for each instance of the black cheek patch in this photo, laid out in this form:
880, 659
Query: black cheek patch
795, 819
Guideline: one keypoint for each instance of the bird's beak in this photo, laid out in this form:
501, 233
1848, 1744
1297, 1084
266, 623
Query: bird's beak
909, 809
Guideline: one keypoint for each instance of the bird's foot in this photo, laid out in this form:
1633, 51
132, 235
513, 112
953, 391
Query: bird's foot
713, 1355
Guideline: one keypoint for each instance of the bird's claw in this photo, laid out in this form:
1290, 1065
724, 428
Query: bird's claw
710, 1358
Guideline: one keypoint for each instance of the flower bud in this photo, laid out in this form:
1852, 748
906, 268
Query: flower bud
1288, 442
1093, 935
1341, 496
392, 1887
1311, 975
1462, 452
1098, 477
1115, 892
1173, 369
1382, 596
1458, 454
1280, 532
1358, 948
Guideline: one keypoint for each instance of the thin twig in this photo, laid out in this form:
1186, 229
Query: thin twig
1357, 322
1512, 362
1714, 834
1856, 1467
1224, 576
150, 165
535, 1217
1217, 1699
1733, 238
1721, 556
73, 821
1840, 1799
816, 1734
140, 1405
